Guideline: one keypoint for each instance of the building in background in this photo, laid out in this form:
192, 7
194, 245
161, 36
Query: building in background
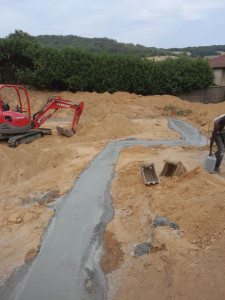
218, 66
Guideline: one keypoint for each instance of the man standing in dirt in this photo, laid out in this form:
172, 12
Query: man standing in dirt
218, 135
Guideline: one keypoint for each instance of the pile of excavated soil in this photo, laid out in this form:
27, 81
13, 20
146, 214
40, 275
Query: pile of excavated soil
187, 263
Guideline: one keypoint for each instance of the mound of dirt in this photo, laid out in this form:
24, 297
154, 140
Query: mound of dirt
108, 127
200, 199
187, 263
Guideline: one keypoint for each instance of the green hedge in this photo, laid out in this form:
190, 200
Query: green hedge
23, 61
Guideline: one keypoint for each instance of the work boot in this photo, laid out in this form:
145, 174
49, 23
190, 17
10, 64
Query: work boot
217, 170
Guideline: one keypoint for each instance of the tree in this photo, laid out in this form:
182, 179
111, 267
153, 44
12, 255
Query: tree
17, 52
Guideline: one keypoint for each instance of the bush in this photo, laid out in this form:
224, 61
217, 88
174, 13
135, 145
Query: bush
24, 61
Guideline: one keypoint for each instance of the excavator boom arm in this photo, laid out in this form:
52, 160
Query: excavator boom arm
52, 105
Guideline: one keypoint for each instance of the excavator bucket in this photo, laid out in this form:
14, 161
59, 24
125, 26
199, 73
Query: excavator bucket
64, 131
173, 168
149, 174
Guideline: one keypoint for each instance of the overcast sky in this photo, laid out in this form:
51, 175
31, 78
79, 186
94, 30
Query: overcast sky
152, 23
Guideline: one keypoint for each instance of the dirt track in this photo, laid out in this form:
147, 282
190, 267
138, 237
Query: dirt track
188, 266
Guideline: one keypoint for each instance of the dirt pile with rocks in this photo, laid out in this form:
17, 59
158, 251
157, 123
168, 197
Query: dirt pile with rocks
182, 263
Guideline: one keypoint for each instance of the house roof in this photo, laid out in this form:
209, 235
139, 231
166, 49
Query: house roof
217, 62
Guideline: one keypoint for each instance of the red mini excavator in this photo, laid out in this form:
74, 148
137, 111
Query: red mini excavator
16, 123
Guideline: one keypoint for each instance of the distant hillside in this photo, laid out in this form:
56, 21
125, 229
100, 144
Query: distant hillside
98, 45
201, 51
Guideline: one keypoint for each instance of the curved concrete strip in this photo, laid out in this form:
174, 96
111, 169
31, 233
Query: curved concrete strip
67, 264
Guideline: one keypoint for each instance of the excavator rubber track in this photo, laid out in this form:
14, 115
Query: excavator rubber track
27, 137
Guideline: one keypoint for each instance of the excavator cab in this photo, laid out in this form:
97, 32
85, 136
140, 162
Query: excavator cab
15, 115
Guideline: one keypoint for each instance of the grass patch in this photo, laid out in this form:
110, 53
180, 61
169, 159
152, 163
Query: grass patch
175, 110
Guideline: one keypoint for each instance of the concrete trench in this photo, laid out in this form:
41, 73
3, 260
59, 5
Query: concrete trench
66, 266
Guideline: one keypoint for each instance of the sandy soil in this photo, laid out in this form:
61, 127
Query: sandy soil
182, 264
